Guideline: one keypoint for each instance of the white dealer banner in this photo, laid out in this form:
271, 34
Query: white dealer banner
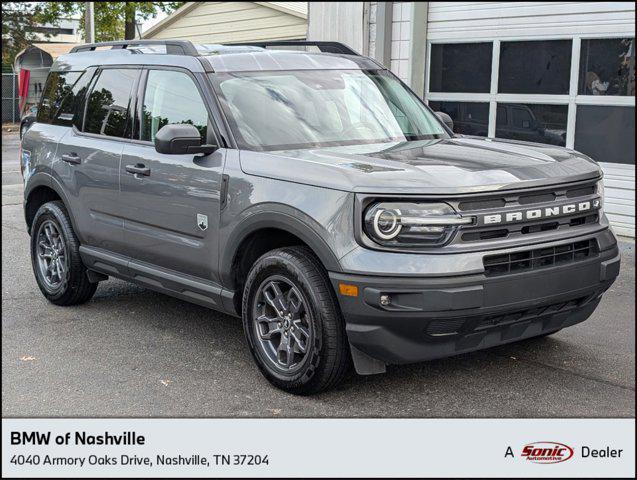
318, 447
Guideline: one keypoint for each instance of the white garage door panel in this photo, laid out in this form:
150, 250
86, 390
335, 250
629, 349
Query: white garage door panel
620, 184
620, 227
489, 20
620, 197
619, 209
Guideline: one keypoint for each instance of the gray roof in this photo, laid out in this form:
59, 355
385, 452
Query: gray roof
217, 58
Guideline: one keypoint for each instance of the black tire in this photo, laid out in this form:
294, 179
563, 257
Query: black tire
74, 286
327, 356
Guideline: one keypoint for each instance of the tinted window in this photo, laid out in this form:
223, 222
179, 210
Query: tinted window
109, 102
171, 97
522, 117
501, 118
71, 111
606, 134
607, 67
461, 67
535, 67
58, 85
533, 123
469, 118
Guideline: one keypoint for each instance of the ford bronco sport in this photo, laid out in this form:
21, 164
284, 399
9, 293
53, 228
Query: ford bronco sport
305, 189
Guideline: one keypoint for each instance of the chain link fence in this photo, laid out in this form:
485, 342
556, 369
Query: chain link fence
10, 100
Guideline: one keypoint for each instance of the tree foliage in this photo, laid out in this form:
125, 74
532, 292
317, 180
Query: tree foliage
113, 20
17, 28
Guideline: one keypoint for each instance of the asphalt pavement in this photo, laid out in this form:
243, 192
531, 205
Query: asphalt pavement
134, 352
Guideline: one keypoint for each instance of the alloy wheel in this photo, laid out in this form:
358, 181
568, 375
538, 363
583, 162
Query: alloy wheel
51, 256
282, 323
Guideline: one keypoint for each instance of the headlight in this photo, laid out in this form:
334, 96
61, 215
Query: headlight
412, 224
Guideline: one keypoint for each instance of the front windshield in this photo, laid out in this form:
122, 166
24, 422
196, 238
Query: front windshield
322, 108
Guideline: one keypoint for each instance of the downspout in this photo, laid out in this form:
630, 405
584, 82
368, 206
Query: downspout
384, 13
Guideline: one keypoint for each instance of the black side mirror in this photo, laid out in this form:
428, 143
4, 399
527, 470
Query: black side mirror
446, 119
179, 139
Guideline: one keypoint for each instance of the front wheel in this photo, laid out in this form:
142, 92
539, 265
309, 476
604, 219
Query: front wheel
55, 257
292, 322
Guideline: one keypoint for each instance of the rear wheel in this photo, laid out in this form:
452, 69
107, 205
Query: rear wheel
292, 322
55, 257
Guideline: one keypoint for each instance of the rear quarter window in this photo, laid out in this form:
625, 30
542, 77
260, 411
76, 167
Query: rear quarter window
58, 86
71, 110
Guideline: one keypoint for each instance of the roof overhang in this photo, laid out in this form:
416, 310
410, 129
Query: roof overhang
297, 9
53, 49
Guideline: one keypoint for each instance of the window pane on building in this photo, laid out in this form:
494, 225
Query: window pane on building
461, 67
469, 118
532, 123
538, 67
607, 67
606, 134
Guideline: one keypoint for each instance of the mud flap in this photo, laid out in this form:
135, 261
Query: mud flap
364, 364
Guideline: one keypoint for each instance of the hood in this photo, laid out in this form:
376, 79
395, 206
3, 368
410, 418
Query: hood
452, 165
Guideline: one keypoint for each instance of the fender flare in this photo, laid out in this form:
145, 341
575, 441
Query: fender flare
288, 221
41, 179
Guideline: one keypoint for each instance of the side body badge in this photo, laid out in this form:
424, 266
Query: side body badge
202, 221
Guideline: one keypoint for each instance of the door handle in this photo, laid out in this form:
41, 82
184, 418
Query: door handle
138, 169
71, 158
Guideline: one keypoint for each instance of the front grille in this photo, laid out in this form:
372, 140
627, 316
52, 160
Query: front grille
464, 325
528, 228
491, 321
507, 263
527, 199
541, 199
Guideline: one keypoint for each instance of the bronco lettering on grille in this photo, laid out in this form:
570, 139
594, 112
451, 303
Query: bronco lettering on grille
539, 213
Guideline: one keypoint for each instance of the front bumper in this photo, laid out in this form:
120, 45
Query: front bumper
433, 317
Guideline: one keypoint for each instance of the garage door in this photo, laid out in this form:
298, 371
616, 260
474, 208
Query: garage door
558, 73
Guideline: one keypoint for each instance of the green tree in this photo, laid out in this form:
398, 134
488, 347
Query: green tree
113, 20
18, 23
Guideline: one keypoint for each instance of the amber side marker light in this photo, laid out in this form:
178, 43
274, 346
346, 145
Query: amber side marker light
348, 290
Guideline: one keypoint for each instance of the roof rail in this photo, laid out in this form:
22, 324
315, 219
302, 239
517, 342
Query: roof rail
327, 47
173, 47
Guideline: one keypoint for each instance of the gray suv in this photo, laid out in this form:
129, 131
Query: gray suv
305, 189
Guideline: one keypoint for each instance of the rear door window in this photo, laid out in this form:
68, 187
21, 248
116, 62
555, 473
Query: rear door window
109, 103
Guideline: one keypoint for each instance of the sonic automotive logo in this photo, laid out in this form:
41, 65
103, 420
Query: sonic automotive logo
547, 452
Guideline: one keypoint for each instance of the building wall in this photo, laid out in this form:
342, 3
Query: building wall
463, 20
326, 23
227, 22
68, 28
400, 37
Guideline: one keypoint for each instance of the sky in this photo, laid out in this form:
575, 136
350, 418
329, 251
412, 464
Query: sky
152, 21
